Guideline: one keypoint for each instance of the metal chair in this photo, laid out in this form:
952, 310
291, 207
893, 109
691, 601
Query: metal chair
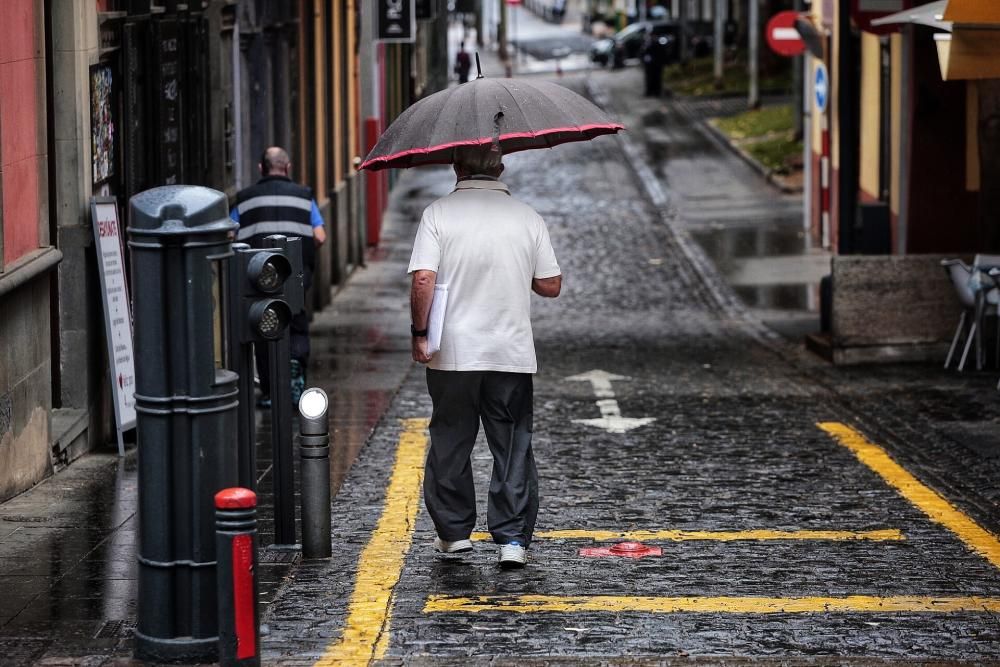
986, 291
978, 301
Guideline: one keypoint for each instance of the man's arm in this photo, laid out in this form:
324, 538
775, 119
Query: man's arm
421, 295
547, 287
319, 236
319, 231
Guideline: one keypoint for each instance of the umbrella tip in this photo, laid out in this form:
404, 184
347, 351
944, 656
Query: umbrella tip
479, 68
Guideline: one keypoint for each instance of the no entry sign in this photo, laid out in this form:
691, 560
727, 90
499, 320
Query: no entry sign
865, 11
782, 36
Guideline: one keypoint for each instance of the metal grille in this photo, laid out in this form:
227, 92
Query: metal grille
20, 518
269, 557
116, 630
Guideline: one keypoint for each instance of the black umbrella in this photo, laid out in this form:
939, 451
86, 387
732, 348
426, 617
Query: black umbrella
520, 114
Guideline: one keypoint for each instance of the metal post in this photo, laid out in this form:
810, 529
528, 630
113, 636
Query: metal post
279, 362
718, 40
186, 416
798, 75
480, 24
241, 360
753, 53
314, 466
236, 547
684, 43
502, 32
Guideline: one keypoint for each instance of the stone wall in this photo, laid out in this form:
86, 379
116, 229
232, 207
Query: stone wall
888, 308
25, 393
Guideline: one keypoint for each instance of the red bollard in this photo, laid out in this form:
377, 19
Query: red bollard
236, 553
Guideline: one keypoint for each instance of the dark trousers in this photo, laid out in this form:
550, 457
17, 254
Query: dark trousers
503, 401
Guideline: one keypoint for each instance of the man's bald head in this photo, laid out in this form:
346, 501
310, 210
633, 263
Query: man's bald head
275, 162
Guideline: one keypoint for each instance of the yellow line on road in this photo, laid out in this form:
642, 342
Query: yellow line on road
923, 498
366, 631
713, 605
887, 535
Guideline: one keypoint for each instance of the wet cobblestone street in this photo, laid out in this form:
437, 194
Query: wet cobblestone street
841, 563
805, 513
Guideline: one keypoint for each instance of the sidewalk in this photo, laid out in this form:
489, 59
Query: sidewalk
67, 546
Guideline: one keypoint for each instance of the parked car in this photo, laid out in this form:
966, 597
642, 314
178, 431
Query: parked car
627, 43
702, 36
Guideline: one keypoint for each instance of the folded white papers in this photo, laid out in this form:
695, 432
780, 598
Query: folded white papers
435, 321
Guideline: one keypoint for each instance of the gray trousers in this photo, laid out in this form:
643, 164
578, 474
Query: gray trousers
503, 401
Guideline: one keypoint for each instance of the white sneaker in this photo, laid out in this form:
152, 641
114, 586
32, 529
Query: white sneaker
456, 547
512, 556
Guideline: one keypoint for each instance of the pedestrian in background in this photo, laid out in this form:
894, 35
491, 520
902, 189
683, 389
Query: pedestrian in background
492, 251
655, 53
277, 205
463, 63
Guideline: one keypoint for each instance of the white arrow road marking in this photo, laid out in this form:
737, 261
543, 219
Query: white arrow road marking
611, 419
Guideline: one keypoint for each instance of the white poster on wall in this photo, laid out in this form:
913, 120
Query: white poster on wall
117, 310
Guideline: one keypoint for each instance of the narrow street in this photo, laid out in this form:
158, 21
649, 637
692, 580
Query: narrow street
786, 529
794, 511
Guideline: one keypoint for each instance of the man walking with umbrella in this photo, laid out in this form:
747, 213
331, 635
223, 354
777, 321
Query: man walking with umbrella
492, 251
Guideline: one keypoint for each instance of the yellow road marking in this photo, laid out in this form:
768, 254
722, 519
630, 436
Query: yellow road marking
366, 631
923, 498
887, 535
719, 605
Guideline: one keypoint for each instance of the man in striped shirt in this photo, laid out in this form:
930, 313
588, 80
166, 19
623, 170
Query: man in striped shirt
278, 205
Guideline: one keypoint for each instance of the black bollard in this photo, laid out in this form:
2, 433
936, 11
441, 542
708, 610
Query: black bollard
186, 415
236, 546
314, 467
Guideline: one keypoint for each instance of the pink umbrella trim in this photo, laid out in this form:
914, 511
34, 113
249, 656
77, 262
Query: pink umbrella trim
485, 140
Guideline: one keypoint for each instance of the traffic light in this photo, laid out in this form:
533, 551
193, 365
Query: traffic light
267, 289
266, 273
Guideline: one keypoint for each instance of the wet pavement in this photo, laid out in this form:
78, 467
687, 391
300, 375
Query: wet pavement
769, 481
753, 232
804, 512
67, 546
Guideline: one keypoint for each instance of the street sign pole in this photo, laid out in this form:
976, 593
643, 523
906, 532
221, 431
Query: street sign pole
718, 39
753, 46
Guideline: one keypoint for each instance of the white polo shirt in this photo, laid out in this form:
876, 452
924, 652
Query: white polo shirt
486, 246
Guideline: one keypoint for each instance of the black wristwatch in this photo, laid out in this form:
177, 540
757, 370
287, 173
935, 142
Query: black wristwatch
422, 333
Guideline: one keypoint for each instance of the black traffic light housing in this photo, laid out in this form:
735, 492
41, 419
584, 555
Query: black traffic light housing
267, 288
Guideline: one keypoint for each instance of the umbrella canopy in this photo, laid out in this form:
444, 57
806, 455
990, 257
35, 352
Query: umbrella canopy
520, 114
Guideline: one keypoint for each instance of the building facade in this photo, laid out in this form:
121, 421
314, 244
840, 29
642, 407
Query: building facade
27, 255
895, 157
112, 97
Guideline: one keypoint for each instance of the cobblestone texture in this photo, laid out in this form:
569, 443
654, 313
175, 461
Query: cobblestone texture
734, 446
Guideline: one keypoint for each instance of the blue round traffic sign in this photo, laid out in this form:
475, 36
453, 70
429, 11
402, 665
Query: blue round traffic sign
821, 87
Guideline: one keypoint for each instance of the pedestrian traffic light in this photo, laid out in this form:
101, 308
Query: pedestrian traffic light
267, 289
266, 273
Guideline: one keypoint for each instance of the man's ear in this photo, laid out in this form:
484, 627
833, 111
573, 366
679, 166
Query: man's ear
288, 170
260, 168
